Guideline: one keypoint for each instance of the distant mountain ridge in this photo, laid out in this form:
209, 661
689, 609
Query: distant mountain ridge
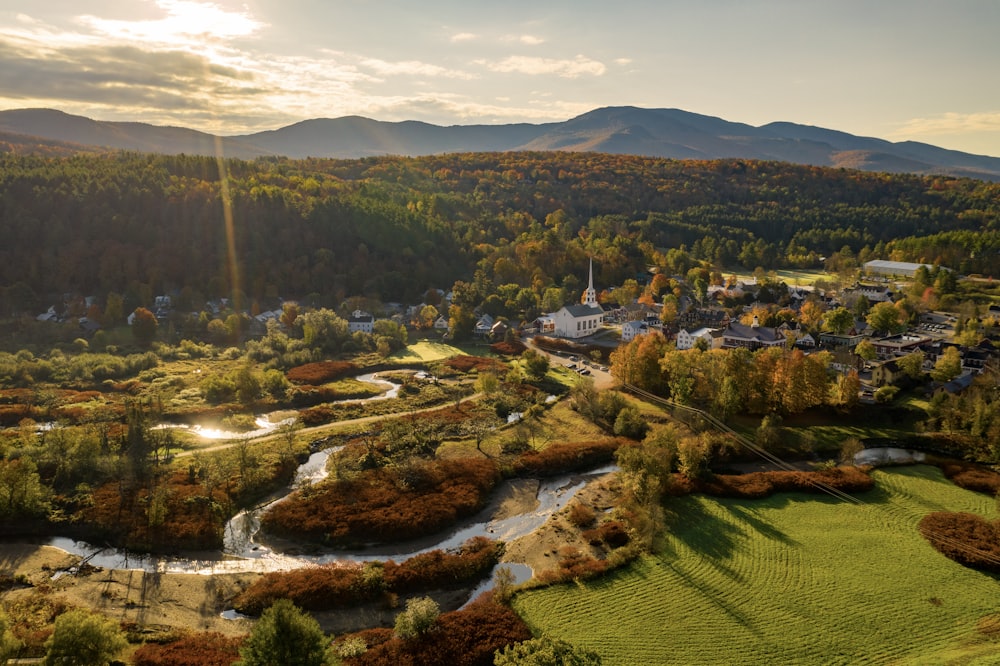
670, 133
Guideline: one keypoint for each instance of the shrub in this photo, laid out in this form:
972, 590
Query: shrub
467, 637
200, 649
563, 457
972, 477
613, 533
321, 372
580, 514
386, 505
418, 618
474, 363
757, 485
966, 538
325, 588
512, 348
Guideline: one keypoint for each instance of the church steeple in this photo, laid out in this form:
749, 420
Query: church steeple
590, 295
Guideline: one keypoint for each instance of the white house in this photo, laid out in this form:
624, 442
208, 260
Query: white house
688, 339
484, 326
576, 321
361, 321
631, 329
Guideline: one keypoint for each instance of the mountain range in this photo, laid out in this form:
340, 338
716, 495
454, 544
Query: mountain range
670, 133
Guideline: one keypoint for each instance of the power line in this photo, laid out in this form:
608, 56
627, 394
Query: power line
783, 465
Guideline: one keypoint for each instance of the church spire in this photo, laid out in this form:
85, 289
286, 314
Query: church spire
590, 295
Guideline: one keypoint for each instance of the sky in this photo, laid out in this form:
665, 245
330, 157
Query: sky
922, 70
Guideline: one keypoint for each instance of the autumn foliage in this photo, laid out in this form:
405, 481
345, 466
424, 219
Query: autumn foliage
321, 372
200, 649
972, 477
386, 505
563, 457
466, 637
464, 363
967, 538
335, 586
513, 348
757, 485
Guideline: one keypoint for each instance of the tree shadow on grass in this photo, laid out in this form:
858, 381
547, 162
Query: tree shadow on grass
711, 537
764, 528
715, 597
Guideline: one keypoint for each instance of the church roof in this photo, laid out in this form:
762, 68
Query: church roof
584, 310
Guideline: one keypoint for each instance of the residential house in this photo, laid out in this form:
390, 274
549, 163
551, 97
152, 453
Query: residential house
885, 373
361, 321
751, 337
484, 326
631, 329
713, 337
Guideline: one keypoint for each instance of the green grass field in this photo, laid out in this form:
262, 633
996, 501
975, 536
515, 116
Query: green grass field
793, 579
425, 351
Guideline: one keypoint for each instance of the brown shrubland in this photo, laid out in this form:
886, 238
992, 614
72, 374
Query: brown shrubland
198, 649
966, 538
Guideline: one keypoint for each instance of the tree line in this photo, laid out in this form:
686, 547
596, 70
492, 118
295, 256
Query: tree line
140, 225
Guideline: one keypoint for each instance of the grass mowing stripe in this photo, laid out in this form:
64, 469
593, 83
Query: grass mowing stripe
790, 579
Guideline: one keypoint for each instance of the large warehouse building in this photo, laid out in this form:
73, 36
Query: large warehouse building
893, 268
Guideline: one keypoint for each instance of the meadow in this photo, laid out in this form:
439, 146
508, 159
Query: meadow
789, 579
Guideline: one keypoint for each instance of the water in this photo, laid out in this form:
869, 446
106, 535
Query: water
245, 553
265, 426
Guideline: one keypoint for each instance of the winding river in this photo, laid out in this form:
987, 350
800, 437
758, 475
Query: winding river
246, 551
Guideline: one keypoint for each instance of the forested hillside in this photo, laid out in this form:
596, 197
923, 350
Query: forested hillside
393, 227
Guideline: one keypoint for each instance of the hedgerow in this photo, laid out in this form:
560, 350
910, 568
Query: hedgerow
563, 457
199, 649
335, 586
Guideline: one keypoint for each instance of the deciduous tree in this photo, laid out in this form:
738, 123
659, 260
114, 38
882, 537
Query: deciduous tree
285, 635
81, 638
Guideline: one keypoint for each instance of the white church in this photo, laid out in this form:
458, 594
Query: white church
575, 321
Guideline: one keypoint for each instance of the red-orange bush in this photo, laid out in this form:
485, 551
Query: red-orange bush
467, 637
972, 477
321, 372
477, 363
435, 569
201, 649
612, 533
757, 485
386, 505
513, 348
566, 457
323, 588
574, 565
968, 539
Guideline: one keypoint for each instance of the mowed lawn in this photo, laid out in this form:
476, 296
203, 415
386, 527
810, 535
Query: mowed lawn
793, 579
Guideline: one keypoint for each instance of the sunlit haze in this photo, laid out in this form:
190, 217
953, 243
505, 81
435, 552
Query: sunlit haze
899, 69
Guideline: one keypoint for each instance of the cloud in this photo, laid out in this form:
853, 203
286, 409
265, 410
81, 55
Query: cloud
531, 40
623, 61
183, 21
566, 68
950, 123
412, 68
464, 37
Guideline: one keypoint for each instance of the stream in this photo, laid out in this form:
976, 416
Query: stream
265, 424
243, 552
